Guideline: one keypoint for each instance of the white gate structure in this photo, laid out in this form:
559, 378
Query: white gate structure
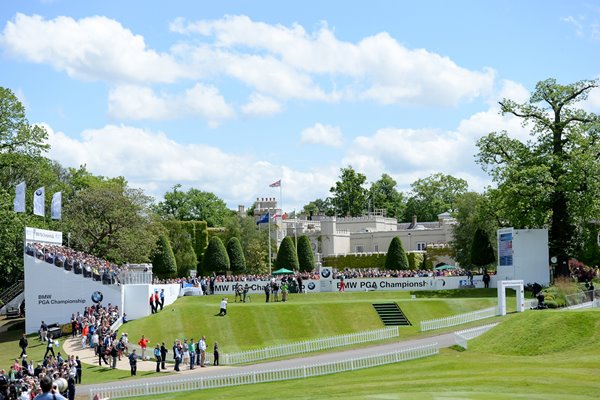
518, 286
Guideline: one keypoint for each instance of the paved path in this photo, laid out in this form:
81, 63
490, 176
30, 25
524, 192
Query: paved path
86, 355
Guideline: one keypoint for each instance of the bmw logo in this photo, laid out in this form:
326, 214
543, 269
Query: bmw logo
97, 297
38, 192
311, 286
325, 273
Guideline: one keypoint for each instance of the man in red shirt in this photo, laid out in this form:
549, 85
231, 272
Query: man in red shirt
143, 343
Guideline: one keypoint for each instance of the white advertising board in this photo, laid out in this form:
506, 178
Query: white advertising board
53, 294
42, 236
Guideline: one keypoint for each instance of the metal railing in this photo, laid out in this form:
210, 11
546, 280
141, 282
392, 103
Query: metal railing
296, 348
459, 319
11, 292
247, 378
310, 345
581, 299
462, 337
135, 277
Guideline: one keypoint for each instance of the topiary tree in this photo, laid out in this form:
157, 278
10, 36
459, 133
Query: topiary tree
286, 256
306, 258
482, 253
163, 259
396, 256
415, 260
237, 261
215, 258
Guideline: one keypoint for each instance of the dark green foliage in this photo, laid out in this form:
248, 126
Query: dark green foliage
482, 253
215, 257
183, 249
396, 256
415, 260
198, 232
163, 259
286, 256
356, 261
349, 195
306, 258
237, 261
434, 195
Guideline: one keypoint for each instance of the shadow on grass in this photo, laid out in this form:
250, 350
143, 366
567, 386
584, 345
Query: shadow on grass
457, 293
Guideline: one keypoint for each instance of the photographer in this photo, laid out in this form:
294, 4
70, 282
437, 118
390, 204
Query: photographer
49, 391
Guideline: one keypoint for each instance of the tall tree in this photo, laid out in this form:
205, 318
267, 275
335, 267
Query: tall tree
111, 221
473, 211
552, 179
215, 257
193, 205
349, 194
434, 195
183, 247
237, 261
306, 258
482, 252
286, 255
383, 195
319, 207
396, 258
17, 136
163, 259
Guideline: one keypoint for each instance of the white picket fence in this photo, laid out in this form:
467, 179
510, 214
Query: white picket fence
462, 337
247, 378
310, 346
459, 319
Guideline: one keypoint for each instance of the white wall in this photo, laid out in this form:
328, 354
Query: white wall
137, 298
53, 294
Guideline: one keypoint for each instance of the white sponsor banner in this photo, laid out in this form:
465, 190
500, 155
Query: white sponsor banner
364, 284
42, 235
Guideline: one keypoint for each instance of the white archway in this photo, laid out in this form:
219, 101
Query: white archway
518, 286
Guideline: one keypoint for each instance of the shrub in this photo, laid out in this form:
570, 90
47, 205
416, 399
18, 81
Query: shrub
237, 261
415, 260
163, 259
396, 256
215, 257
306, 258
286, 255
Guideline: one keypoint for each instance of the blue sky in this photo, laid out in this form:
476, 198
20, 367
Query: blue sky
231, 96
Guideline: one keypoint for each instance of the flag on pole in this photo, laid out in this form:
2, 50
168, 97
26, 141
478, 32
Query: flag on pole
38, 202
276, 215
276, 184
56, 207
19, 202
263, 220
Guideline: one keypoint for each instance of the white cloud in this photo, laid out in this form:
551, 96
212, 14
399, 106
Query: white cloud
93, 48
152, 161
261, 105
135, 102
323, 134
378, 67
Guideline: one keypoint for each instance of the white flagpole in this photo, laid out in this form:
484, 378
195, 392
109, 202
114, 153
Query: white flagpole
269, 216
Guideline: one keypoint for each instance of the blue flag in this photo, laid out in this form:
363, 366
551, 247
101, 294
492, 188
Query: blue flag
264, 219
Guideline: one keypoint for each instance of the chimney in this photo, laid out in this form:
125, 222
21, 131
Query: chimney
414, 221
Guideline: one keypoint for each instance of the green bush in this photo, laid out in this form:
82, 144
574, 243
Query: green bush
355, 261
286, 255
415, 260
396, 256
215, 257
237, 261
306, 258
163, 259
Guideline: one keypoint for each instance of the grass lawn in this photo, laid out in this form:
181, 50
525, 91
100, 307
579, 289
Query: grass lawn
258, 324
536, 355
305, 316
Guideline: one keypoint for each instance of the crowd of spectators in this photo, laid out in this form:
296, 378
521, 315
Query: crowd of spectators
385, 273
79, 262
23, 380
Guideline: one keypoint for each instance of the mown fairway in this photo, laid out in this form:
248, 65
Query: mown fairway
540, 355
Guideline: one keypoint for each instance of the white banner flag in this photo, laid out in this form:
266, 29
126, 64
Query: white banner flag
56, 206
19, 202
38, 202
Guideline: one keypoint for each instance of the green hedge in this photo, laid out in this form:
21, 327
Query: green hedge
355, 261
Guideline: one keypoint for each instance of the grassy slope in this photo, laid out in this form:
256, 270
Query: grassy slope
565, 366
259, 324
